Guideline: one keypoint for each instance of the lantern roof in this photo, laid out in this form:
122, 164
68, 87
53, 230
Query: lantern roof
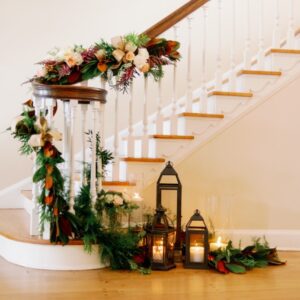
160, 220
168, 171
196, 217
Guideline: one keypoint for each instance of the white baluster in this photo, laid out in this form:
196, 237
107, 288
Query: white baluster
50, 103
66, 144
218, 84
73, 108
159, 116
130, 141
232, 75
102, 113
290, 41
247, 54
93, 154
145, 140
276, 31
189, 94
260, 55
116, 165
203, 96
83, 108
35, 219
173, 118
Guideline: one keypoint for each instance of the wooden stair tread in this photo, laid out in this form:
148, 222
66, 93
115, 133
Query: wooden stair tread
14, 225
201, 115
230, 94
143, 159
117, 183
284, 51
259, 72
172, 137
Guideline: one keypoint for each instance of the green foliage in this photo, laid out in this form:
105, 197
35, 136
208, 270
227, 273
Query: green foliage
239, 260
138, 40
118, 248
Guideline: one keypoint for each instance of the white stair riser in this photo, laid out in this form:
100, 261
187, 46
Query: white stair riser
167, 148
196, 125
281, 61
254, 83
225, 104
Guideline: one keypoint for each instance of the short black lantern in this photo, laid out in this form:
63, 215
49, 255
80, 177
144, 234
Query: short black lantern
160, 241
197, 246
173, 184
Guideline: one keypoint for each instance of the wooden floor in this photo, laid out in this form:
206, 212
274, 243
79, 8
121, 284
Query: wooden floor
281, 282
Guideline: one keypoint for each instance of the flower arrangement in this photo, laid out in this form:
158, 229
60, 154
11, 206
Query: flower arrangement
118, 62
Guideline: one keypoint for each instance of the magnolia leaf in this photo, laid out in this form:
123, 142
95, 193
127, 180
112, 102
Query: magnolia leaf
276, 262
40, 174
238, 269
261, 263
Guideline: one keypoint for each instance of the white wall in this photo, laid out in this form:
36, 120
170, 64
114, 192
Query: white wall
250, 173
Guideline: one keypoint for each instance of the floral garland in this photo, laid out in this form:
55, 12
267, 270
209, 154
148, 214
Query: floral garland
118, 62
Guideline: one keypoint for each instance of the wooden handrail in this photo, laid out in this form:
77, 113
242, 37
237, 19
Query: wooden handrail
69, 92
174, 18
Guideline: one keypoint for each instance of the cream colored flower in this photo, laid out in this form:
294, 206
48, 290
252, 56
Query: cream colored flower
118, 200
129, 56
42, 72
144, 53
73, 58
118, 42
118, 54
141, 59
100, 54
130, 47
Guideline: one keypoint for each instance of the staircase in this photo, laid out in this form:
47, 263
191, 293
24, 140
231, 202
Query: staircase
169, 119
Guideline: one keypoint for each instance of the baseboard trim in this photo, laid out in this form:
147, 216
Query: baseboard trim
282, 239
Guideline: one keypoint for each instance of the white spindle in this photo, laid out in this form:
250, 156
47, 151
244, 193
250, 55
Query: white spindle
35, 219
260, 55
290, 41
116, 165
145, 139
203, 96
83, 109
276, 31
93, 158
189, 93
50, 103
173, 118
130, 141
218, 84
159, 116
102, 118
247, 55
232, 76
73, 107
66, 143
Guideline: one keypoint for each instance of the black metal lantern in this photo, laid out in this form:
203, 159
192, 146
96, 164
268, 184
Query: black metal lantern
160, 241
196, 239
176, 185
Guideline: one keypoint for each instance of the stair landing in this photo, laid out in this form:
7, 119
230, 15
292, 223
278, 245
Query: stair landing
18, 247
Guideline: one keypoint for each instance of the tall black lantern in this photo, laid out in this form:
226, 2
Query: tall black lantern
197, 247
160, 240
175, 185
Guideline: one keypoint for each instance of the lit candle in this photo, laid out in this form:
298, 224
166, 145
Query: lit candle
196, 254
136, 197
157, 253
217, 245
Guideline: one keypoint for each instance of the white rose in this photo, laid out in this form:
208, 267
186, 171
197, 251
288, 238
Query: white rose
42, 72
117, 42
143, 52
118, 200
139, 61
100, 54
78, 58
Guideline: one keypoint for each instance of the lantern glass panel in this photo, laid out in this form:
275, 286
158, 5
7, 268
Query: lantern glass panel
171, 242
158, 249
197, 247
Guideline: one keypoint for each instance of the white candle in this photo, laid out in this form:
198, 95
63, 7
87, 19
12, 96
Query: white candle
157, 253
217, 245
197, 254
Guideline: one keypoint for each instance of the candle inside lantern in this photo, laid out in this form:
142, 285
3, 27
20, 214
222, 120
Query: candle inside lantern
196, 254
217, 245
158, 252
136, 197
